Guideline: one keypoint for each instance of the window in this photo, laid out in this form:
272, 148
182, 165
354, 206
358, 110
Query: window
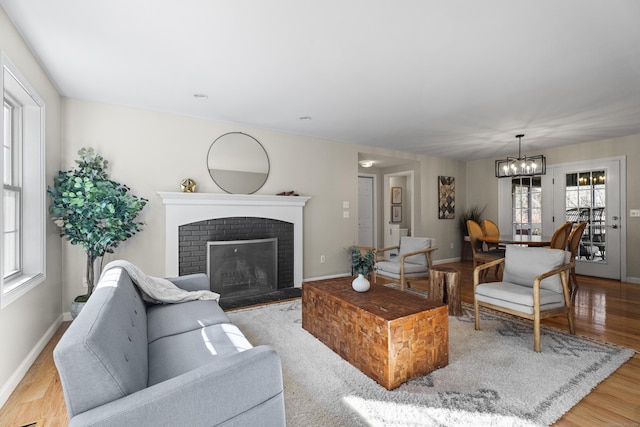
526, 205
22, 247
11, 189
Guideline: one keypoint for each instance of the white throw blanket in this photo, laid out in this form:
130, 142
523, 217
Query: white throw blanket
158, 290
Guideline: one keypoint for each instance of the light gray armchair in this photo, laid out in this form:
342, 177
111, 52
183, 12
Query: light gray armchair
534, 286
412, 262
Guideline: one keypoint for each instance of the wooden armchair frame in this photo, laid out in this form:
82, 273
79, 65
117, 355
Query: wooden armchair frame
537, 313
403, 280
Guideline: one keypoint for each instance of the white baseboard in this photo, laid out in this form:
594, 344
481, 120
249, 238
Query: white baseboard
334, 276
66, 316
635, 280
10, 385
445, 261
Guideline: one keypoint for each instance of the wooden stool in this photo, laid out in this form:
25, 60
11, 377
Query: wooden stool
443, 287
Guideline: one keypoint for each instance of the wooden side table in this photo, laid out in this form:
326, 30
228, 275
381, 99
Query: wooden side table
444, 288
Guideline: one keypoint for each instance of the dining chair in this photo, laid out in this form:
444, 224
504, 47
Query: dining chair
534, 286
412, 262
560, 237
490, 228
574, 244
480, 256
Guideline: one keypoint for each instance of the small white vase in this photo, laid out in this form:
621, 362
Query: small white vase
360, 284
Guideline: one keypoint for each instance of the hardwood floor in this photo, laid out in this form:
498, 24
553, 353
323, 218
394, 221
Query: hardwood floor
605, 310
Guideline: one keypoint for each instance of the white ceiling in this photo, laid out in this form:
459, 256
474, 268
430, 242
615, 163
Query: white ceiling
456, 79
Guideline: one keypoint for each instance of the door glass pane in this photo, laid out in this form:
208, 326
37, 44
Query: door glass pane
11, 253
526, 194
585, 200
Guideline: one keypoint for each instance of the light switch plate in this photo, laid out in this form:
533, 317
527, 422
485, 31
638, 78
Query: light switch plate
634, 212
345, 205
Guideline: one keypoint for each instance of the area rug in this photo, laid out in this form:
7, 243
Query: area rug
493, 378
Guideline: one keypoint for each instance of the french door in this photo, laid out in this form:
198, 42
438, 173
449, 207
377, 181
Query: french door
590, 191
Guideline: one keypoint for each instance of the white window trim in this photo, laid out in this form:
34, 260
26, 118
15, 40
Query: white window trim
34, 212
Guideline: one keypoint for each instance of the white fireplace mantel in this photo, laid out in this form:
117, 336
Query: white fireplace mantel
185, 208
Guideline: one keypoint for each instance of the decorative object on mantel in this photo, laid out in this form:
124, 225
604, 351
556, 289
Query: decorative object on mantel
362, 263
188, 185
446, 197
93, 211
287, 193
522, 166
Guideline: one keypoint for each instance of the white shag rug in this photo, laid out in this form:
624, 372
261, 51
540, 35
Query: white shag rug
493, 377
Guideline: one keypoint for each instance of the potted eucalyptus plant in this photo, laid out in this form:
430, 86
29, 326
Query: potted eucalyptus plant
362, 262
93, 211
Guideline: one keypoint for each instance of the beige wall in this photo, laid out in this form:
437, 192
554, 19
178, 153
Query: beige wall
25, 323
153, 152
483, 189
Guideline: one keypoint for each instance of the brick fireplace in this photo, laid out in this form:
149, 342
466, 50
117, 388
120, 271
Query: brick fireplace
195, 238
183, 210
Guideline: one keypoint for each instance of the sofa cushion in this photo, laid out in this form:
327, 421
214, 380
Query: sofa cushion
170, 319
412, 244
103, 355
523, 264
174, 355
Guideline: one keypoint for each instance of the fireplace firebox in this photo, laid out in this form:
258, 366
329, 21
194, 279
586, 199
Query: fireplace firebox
243, 268
195, 237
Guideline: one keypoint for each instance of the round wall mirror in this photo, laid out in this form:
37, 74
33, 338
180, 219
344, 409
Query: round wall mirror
238, 163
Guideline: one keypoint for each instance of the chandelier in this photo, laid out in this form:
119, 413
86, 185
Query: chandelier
521, 166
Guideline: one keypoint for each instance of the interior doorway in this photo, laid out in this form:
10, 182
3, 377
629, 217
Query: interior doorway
399, 218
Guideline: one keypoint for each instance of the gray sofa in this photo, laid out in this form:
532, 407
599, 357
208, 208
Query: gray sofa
123, 363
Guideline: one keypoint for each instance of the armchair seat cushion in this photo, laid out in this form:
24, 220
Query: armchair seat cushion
515, 297
393, 267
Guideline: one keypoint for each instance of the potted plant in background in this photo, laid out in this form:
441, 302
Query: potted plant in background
362, 261
93, 211
475, 213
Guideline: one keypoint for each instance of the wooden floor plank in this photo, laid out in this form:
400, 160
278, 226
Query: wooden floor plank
605, 310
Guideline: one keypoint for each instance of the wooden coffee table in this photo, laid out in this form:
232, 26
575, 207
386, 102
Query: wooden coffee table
390, 335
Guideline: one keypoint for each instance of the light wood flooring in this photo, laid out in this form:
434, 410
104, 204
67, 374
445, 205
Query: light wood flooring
605, 310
